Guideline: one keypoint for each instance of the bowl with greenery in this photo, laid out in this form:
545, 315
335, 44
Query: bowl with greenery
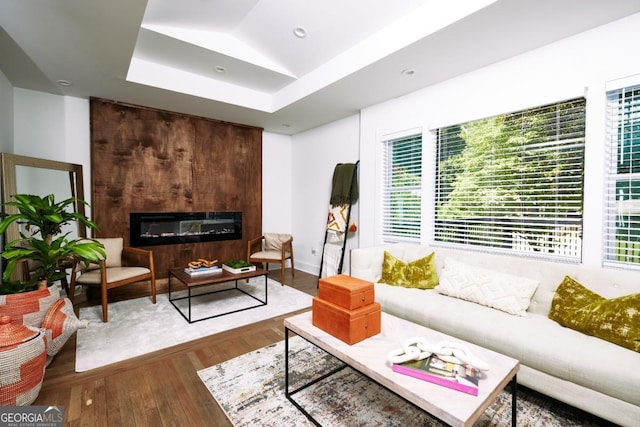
238, 266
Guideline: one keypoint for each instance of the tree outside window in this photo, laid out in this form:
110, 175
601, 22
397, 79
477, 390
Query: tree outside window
514, 181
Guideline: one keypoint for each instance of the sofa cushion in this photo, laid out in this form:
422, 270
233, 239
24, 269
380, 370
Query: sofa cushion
420, 273
506, 292
616, 320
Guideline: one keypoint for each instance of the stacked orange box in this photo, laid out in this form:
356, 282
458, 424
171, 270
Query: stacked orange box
346, 309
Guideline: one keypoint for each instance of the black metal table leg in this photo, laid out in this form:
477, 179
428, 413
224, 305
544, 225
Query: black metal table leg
286, 381
288, 394
286, 362
514, 401
189, 302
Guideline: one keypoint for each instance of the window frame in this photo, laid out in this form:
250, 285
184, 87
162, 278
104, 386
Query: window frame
413, 232
497, 242
621, 253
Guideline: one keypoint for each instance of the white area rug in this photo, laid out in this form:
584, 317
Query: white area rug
138, 326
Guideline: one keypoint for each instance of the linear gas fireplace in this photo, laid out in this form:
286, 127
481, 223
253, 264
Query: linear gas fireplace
167, 228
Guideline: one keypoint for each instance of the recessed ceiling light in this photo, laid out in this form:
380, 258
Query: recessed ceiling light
300, 32
409, 71
220, 69
64, 82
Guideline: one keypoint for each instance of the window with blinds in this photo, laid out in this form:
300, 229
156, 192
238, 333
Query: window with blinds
402, 189
622, 216
514, 183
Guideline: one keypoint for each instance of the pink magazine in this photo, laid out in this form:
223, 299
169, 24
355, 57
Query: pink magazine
456, 376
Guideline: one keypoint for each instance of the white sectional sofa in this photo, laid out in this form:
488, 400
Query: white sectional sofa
587, 372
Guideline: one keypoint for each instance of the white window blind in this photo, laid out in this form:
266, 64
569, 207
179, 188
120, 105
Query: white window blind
622, 215
514, 182
402, 189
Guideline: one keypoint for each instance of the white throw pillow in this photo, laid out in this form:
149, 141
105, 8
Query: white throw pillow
511, 294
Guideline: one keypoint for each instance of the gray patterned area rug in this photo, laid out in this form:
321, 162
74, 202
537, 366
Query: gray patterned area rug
250, 389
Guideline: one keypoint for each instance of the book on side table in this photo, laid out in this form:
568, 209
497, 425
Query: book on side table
435, 370
201, 271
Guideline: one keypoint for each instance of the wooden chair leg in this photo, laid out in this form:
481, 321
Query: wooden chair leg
282, 272
72, 290
65, 285
153, 289
103, 292
292, 266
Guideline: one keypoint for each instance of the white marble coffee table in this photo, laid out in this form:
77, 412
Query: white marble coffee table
369, 357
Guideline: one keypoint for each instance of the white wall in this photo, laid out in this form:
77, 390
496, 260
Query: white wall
276, 183
40, 126
78, 134
578, 66
6, 115
315, 156
53, 127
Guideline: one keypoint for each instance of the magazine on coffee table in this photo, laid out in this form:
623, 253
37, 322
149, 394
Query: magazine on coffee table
446, 373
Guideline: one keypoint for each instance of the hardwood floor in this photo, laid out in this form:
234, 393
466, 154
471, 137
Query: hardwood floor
160, 388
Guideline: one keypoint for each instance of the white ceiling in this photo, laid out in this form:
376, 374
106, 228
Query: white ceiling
164, 53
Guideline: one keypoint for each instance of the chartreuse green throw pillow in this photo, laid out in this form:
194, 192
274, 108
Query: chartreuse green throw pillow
616, 320
419, 274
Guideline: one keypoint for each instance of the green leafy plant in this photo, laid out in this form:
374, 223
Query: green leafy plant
237, 263
42, 219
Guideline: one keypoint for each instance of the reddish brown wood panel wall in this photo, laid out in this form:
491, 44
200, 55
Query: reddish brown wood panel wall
146, 160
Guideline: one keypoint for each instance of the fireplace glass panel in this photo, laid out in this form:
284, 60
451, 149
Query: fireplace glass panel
166, 228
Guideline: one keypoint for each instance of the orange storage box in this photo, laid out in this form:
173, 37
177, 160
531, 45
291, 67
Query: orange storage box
346, 291
350, 326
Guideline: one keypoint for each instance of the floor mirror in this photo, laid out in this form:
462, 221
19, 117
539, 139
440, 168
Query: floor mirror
30, 175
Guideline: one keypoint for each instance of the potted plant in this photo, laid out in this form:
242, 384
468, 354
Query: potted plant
41, 242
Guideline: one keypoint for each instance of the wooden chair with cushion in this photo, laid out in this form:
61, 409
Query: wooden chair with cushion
272, 248
122, 266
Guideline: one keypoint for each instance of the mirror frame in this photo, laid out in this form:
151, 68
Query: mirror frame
9, 185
